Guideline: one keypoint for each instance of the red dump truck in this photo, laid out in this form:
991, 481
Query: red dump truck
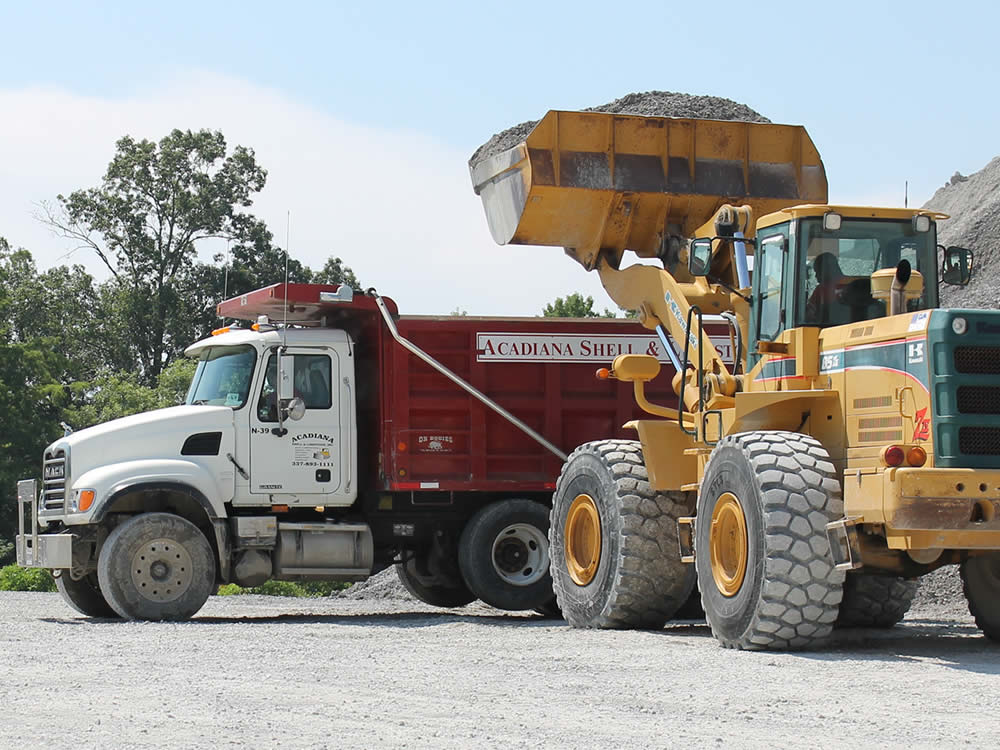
328, 440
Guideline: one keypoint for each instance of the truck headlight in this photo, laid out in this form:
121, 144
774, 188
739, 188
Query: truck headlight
959, 325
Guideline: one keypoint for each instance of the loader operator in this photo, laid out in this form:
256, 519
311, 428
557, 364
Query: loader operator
824, 300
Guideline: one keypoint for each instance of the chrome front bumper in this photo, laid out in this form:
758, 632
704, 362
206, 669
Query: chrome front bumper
35, 550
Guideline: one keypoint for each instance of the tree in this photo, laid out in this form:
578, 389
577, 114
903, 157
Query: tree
335, 272
31, 401
155, 203
574, 305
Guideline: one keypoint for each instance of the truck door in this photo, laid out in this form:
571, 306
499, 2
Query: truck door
305, 465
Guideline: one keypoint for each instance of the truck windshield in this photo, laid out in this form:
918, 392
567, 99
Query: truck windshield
223, 376
836, 267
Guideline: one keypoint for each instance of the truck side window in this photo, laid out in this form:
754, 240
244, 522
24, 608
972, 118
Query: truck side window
312, 384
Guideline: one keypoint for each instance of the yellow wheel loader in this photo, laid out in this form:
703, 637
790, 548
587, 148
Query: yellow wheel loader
852, 447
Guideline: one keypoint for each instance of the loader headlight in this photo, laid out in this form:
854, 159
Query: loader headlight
959, 325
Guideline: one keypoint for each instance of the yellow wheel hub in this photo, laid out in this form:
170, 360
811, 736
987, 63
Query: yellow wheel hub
583, 540
728, 544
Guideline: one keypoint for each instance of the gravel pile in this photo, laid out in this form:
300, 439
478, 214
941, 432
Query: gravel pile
381, 586
940, 595
974, 205
649, 103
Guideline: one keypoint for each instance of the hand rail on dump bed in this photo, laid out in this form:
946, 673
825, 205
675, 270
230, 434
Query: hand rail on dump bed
472, 390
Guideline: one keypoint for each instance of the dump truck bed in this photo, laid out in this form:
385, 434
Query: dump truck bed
420, 432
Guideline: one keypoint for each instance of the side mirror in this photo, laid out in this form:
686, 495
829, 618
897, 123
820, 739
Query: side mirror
956, 266
700, 257
286, 376
296, 409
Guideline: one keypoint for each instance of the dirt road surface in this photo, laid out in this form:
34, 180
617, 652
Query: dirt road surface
316, 673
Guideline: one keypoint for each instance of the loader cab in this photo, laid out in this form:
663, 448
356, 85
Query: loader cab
813, 265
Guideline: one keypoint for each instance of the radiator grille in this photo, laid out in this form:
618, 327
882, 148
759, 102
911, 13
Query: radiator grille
54, 470
979, 441
978, 360
979, 399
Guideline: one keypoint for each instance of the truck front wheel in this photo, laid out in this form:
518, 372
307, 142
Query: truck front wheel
156, 566
504, 555
84, 595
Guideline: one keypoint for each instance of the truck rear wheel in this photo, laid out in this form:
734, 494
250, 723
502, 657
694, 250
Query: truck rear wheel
765, 571
875, 601
156, 566
981, 584
84, 595
432, 590
504, 555
613, 541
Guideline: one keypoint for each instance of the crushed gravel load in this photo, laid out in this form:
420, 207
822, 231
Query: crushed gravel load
648, 103
973, 203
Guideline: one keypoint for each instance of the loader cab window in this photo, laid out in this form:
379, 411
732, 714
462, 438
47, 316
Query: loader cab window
836, 268
769, 294
312, 384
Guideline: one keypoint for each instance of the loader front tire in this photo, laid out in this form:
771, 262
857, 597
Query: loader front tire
875, 601
765, 572
981, 584
613, 541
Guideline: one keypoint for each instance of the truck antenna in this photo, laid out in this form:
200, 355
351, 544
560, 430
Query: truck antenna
225, 283
288, 222
906, 193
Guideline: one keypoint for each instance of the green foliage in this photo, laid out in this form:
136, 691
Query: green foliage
31, 401
155, 203
335, 272
7, 552
574, 305
311, 589
15, 578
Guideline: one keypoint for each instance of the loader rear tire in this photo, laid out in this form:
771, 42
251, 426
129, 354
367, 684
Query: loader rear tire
84, 595
765, 572
875, 601
613, 541
429, 591
981, 584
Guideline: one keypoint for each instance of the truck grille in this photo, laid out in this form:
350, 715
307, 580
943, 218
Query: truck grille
55, 468
979, 399
979, 441
978, 360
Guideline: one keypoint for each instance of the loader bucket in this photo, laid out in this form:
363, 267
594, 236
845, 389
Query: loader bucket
589, 181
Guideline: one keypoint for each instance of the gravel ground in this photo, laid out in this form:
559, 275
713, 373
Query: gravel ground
386, 671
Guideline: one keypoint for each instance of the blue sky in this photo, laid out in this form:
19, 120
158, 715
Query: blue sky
364, 113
